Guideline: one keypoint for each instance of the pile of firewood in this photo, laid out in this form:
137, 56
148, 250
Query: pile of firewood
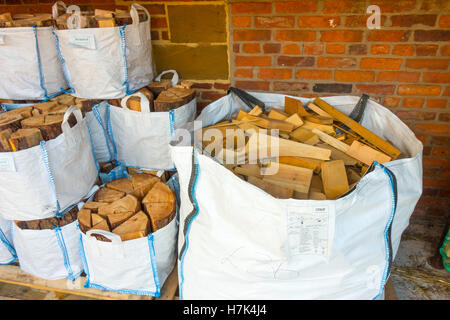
25, 127
129, 207
49, 223
163, 97
88, 19
322, 153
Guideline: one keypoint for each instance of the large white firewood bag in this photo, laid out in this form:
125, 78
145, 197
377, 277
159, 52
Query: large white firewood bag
141, 139
238, 242
107, 63
44, 180
49, 254
7, 251
30, 67
139, 266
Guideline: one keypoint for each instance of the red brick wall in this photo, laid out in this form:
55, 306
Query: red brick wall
290, 47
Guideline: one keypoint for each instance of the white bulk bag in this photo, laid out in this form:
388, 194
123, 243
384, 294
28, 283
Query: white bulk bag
257, 247
7, 251
139, 266
141, 139
107, 63
49, 254
30, 67
39, 181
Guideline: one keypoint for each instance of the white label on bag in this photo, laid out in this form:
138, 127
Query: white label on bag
2, 39
310, 230
83, 41
7, 163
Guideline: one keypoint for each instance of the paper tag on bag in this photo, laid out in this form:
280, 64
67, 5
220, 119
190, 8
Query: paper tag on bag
310, 230
7, 163
83, 41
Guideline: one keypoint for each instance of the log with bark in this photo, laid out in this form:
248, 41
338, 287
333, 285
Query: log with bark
129, 207
25, 138
49, 223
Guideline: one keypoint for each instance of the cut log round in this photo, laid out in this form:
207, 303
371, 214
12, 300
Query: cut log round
127, 203
173, 98
159, 204
157, 87
142, 183
5, 146
25, 138
108, 195
137, 226
123, 185
50, 125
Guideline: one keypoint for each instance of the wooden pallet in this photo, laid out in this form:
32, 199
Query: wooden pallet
58, 289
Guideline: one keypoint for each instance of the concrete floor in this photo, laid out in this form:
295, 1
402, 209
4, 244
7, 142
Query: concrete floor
415, 278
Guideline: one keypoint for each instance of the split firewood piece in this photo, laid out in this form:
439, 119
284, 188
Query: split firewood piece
102, 225
157, 87
259, 143
48, 223
24, 112
85, 105
108, 195
35, 21
104, 22
6, 17
249, 170
317, 110
353, 176
314, 195
122, 184
117, 219
5, 146
256, 111
160, 205
66, 100
137, 226
316, 184
331, 141
50, 125
127, 203
25, 138
322, 127
10, 121
319, 119
299, 176
339, 155
334, 179
94, 205
304, 136
277, 114
95, 218
142, 183
266, 123
313, 164
104, 13
272, 189
184, 84
134, 102
372, 138
84, 219
123, 18
50, 107
366, 154
292, 106
173, 98
295, 119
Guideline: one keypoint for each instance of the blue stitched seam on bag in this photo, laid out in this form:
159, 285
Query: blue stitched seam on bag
62, 245
124, 55
154, 268
87, 284
9, 246
63, 63
105, 133
38, 54
111, 135
172, 123
50, 176
190, 222
386, 230
92, 149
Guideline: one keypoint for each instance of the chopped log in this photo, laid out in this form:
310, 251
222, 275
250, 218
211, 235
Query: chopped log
292, 106
50, 107
274, 190
317, 110
277, 114
108, 195
173, 98
104, 22
266, 123
353, 176
366, 154
331, 141
304, 136
66, 99
299, 176
10, 121
384, 146
313, 164
142, 183
5, 146
48, 223
117, 219
334, 179
93, 206
137, 226
338, 154
249, 170
25, 138
322, 127
86, 104
316, 183
256, 111
295, 119
319, 119
6, 17
127, 203
50, 125
123, 18
96, 219
134, 103
159, 193
122, 184
24, 112
157, 87
102, 225
160, 205
104, 13
84, 219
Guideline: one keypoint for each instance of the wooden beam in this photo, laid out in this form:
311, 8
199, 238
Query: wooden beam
331, 141
383, 145
366, 154
298, 176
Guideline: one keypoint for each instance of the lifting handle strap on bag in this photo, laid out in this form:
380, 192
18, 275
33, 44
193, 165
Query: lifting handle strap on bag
175, 77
